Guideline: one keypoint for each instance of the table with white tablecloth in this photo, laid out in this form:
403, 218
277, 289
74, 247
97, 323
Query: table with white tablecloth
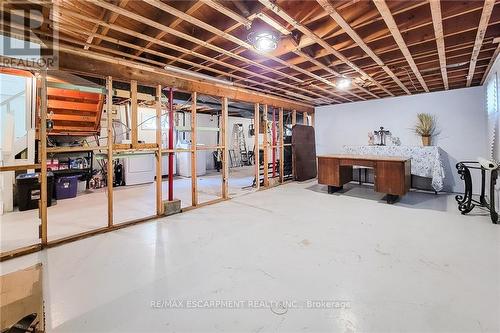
425, 161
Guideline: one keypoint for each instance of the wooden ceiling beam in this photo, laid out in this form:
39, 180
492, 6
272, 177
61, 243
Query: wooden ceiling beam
233, 67
172, 25
359, 41
481, 31
112, 19
228, 12
492, 61
173, 11
183, 50
391, 24
187, 37
94, 64
437, 22
281, 13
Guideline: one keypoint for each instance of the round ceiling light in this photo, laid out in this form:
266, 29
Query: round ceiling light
264, 41
344, 83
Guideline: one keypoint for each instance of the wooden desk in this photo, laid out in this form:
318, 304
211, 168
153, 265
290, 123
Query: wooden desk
392, 174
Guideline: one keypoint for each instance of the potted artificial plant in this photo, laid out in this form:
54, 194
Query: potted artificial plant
425, 127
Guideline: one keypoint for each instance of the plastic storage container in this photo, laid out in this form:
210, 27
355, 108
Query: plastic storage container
28, 190
66, 187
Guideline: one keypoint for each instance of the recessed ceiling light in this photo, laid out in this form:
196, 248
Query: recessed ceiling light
344, 83
264, 41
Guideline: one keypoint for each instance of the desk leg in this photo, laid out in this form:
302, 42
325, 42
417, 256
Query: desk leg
333, 189
391, 198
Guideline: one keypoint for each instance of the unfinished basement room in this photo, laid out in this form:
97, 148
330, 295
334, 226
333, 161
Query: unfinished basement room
249, 166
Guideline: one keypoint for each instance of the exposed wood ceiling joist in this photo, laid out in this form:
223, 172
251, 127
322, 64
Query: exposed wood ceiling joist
481, 31
437, 22
391, 24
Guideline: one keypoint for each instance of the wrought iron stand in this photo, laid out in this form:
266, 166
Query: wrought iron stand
466, 202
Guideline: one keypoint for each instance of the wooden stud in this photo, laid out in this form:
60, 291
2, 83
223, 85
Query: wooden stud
304, 118
481, 31
159, 181
194, 179
265, 145
109, 115
396, 34
312, 119
281, 144
134, 113
437, 22
256, 144
43, 158
225, 151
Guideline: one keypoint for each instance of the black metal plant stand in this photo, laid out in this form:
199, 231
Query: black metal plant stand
466, 202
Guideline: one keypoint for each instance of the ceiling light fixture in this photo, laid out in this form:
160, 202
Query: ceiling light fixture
264, 41
344, 83
197, 75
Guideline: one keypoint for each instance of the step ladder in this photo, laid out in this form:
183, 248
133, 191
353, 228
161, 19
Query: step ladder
240, 145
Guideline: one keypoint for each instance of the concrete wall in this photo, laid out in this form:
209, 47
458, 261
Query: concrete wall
460, 113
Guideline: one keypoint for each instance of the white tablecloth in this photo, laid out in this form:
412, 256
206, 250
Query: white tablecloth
425, 161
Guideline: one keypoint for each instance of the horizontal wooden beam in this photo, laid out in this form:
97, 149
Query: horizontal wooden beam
91, 63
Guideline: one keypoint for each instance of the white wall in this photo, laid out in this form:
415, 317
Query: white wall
460, 113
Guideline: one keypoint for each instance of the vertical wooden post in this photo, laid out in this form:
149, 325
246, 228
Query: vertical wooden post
256, 147
265, 146
224, 132
281, 144
109, 115
159, 201
134, 112
312, 119
194, 180
304, 118
43, 157
294, 122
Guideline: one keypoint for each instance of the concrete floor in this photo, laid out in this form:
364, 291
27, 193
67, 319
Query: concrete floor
417, 265
88, 210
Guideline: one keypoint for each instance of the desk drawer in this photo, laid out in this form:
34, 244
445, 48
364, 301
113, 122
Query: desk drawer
351, 162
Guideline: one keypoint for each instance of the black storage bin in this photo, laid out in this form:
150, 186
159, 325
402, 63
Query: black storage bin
28, 190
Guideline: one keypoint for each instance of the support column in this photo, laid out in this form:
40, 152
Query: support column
273, 140
265, 147
43, 157
194, 180
256, 147
281, 144
159, 201
294, 122
171, 144
304, 118
225, 165
110, 140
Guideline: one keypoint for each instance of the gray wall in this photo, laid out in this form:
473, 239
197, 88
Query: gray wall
461, 116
